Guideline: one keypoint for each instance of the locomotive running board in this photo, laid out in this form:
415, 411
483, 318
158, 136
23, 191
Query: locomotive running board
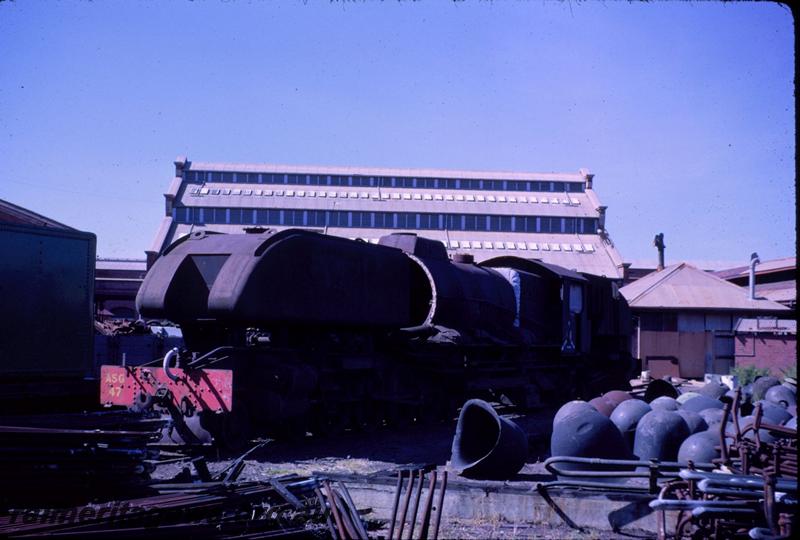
206, 390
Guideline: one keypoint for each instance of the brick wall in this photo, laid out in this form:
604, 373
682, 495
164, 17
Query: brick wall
766, 351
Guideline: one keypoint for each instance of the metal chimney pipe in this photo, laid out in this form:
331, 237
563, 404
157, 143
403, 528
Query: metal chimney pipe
658, 241
754, 260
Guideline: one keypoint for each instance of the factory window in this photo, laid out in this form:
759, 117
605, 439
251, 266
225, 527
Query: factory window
195, 176
373, 181
384, 220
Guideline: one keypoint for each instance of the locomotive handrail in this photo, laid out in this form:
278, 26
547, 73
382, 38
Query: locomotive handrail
167, 358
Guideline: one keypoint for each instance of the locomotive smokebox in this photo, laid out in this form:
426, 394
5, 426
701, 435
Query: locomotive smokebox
487, 446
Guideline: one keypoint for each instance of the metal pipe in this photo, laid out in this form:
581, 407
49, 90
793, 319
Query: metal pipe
321, 499
335, 510
353, 511
577, 484
740, 481
437, 520
550, 466
397, 492
426, 514
406, 500
687, 504
417, 496
707, 512
754, 260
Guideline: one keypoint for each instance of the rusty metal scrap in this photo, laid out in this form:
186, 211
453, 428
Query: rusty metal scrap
752, 493
416, 478
247, 509
71, 459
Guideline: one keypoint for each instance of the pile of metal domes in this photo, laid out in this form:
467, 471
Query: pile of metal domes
671, 425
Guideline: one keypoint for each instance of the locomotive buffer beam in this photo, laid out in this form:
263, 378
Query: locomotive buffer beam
190, 391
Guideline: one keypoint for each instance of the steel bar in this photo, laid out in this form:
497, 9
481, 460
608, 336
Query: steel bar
417, 495
440, 503
286, 494
397, 491
406, 500
324, 508
347, 520
353, 511
426, 514
335, 510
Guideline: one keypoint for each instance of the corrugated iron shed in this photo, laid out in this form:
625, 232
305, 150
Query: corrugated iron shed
684, 287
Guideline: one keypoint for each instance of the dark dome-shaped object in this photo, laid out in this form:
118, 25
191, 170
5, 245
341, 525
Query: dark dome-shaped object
774, 414
603, 405
665, 403
713, 416
686, 396
627, 415
659, 435
701, 403
693, 420
714, 390
617, 396
699, 448
571, 407
761, 385
658, 388
780, 395
587, 434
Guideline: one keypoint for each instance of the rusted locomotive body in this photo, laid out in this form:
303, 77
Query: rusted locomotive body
294, 330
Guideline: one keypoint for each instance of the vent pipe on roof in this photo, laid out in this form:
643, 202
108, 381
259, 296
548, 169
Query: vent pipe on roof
754, 260
658, 241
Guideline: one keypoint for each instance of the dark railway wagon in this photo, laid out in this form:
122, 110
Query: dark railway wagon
319, 332
46, 325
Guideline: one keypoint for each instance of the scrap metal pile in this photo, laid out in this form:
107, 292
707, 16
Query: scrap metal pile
200, 504
74, 458
724, 461
289, 506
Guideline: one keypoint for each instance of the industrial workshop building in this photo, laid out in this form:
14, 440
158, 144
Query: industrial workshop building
553, 217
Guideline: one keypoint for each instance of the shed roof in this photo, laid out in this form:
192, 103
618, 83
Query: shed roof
773, 265
683, 286
11, 213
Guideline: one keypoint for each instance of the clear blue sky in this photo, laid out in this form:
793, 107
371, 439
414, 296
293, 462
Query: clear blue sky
683, 110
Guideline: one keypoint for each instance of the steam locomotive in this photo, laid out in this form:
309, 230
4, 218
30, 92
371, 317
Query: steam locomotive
293, 331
